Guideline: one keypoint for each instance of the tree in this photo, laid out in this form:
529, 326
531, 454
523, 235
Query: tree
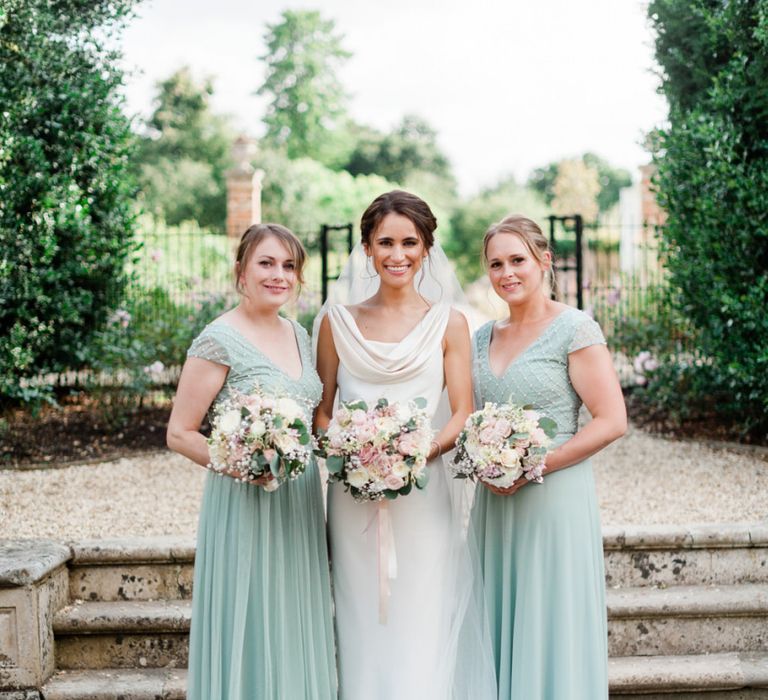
306, 97
409, 148
66, 197
184, 157
575, 190
712, 180
471, 219
611, 180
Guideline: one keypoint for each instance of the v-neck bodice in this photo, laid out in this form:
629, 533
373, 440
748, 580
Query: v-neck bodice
539, 374
248, 366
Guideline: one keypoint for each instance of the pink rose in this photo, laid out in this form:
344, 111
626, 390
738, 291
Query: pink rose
365, 432
394, 482
358, 417
538, 436
408, 444
367, 454
487, 435
503, 428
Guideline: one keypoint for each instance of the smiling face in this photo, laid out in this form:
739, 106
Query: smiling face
396, 250
516, 275
268, 276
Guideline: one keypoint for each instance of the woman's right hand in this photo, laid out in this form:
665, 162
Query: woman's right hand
522, 481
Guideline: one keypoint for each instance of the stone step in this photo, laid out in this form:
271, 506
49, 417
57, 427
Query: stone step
157, 568
684, 620
707, 676
669, 555
134, 634
151, 568
117, 684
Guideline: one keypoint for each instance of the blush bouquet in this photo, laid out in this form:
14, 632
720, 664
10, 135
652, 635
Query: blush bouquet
501, 443
378, 451
256, 435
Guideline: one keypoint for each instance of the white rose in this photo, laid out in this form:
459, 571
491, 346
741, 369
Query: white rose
230, 421
258, 428
285, 443
271, 485
508, 458
387, 425
400, 469
506, 480
357, 478
289, 409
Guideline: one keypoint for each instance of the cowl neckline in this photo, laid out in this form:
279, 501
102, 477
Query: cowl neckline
384, 362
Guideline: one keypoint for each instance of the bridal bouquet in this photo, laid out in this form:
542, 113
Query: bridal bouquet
379, 451
502, 442
256, 435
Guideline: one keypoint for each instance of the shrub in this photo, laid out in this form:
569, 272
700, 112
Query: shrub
712, 180
65, 200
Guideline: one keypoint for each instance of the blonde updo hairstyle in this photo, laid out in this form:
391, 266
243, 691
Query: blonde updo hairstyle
529, 232
256, 234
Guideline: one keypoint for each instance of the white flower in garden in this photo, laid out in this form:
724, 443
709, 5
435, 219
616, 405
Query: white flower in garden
230, 421
155, 368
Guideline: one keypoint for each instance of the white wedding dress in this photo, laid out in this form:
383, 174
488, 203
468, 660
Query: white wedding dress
425, 638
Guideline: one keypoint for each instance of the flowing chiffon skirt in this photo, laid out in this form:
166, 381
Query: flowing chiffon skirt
262, 623
543, 573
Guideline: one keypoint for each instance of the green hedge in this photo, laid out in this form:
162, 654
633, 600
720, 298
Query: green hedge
65, 198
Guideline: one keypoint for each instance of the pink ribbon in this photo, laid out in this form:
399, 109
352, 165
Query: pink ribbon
386, 555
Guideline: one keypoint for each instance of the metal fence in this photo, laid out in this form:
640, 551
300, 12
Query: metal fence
180, 280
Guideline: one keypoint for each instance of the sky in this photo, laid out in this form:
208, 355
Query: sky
509, 85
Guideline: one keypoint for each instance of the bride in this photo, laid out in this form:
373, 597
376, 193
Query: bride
407, 624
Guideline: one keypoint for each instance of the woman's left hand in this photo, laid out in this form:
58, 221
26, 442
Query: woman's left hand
522, 481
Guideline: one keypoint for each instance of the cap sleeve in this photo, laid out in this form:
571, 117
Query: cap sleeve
587, 333
208, 346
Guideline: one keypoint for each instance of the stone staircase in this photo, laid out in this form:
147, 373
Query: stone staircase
687, 608
125, 632
688, 611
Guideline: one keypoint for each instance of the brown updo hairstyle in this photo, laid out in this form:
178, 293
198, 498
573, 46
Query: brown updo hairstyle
256, 234
405, 204
529, 232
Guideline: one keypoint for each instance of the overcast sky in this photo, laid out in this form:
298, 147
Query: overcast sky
508, 84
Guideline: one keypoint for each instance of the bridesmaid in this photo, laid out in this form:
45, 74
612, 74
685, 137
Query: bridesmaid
540, 544
261, 611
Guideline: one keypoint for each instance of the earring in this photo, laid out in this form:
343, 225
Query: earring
369, 275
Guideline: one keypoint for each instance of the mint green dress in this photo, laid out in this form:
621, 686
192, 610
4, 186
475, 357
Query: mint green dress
541, 553
262, 626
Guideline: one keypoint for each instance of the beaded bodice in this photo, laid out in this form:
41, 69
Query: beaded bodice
539, 375
248, 366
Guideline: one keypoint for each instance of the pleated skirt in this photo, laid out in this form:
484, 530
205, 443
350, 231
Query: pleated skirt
262, 625
541, 560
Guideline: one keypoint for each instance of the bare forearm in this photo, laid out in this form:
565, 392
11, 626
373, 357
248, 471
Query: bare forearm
446, 438
592, 438
191, 444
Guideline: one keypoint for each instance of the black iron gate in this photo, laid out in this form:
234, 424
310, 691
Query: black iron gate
326, 247
569, 257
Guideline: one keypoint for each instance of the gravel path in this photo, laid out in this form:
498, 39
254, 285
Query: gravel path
642, 479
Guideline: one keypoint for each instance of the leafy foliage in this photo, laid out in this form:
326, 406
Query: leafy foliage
306, 98
65, 194
713, 182
410, 148
471, 219
610, 180
185, 154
